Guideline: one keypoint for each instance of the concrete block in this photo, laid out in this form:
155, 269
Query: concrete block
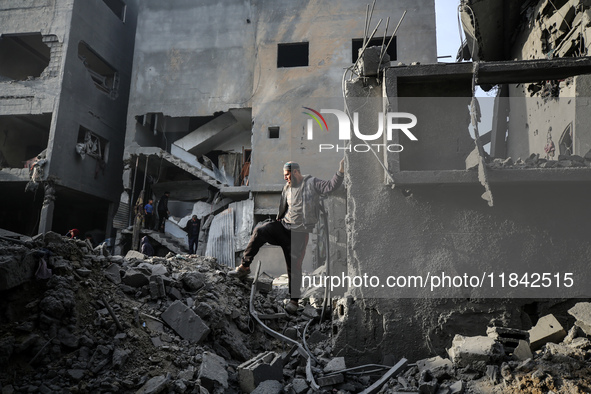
438, 366
175, 294
185, 322
330, 380
112, 273
265, 283
582, 312
335, 365
467, 350
522, 351
299, 386
493, 373
548, 329
269, 387
14, 271
135, 278
132, 254
213, 372
509, 337
193, 281
265, 366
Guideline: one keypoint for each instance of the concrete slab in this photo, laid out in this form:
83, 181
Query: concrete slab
213, 372
185, 322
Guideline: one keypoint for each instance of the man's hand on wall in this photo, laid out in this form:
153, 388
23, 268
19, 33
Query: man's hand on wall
342, 166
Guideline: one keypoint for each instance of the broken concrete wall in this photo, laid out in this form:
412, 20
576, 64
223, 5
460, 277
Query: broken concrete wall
85, 107
543, 29
75, 91
198, 61
428, 224
329, 29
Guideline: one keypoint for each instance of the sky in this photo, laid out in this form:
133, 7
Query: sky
448, 36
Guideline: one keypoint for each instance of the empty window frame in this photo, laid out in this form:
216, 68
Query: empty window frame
292, 55
23, 56
104, 76
273, 131
357, 44
92, 145
118, 7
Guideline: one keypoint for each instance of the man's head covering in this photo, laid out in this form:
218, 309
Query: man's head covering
291, 165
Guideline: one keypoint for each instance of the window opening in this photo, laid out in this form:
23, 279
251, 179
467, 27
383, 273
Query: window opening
118, 7
273, 131
92, 145
292, 55
104, 76
24, 56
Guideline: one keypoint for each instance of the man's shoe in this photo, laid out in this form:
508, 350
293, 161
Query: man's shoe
291, 307
241, 272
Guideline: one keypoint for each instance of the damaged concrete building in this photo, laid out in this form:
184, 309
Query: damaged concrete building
216, 104
64, 83
424, 213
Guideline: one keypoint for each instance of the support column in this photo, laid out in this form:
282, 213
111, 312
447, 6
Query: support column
46, 220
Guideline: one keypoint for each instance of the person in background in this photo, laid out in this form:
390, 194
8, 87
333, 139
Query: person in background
146, 248
73, 233
192, 229
163, 212
149, 210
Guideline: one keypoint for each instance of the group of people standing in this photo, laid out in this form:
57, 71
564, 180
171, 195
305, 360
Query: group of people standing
192, 228
163, 213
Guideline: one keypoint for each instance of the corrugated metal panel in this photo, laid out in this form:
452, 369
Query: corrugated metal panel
244, 217
122, 216
220, 243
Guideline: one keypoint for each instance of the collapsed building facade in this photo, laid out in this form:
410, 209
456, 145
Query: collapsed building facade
506, 199
64, 83
215, 108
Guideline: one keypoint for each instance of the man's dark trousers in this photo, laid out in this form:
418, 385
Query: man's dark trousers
292, 243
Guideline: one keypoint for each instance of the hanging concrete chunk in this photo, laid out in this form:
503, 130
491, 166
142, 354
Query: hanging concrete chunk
547, 330
185, 322
582, 312
465, 351
213, 372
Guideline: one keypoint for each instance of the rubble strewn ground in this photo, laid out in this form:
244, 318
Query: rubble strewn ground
105, 324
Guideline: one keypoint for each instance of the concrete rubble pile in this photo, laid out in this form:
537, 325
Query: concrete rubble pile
76, 319
545, 359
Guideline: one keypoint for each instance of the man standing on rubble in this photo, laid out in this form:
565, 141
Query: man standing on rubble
298, 213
